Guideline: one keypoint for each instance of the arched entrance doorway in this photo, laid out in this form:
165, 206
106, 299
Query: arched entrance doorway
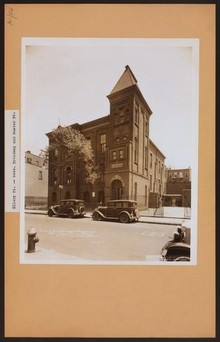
116, 189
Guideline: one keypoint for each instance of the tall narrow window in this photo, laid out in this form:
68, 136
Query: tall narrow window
136, 115
103, 142
121, 154
145, 194
155, 171
40, 175
68, 175
55, 176
150, 182
146, 158
135, 191
151, 160
147, 128
136, 150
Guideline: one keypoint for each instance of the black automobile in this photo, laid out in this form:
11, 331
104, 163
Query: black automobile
70, 207
125, 211
177, 249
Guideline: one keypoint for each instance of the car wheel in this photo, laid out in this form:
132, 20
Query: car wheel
50, 213
70, 214
124, 218
182, 258
96, 216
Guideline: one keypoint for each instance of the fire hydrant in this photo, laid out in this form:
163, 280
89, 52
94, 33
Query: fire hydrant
32, 240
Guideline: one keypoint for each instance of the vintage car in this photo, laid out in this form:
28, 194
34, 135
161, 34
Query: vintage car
177, 249
69, 207
123, 210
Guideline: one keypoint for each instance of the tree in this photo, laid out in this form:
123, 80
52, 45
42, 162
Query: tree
78, 148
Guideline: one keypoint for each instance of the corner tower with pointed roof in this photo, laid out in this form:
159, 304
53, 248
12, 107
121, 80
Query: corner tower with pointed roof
129, 139
127, 104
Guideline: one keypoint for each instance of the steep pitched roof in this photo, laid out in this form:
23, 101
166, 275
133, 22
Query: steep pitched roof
126, 80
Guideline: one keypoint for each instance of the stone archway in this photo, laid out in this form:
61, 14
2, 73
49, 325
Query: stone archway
116, 189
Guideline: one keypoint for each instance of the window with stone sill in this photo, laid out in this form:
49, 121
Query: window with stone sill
103, 142
136, 116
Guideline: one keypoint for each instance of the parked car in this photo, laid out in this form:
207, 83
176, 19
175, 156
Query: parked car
177, 249
69, 207
123, 210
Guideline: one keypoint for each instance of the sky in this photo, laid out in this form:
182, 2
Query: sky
65, 81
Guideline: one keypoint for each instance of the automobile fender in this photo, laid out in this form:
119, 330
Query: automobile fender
125, 212
54, 210
100, 213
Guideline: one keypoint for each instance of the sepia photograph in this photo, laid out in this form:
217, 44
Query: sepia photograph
109, 146
110, 171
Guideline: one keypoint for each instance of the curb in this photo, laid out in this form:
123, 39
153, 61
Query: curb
140, 221
167, 223
35, 213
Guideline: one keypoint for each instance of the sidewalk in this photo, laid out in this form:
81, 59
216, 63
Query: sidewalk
144, 217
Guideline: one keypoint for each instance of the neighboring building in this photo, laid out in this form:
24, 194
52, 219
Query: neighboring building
36, 181
178, 188
157, 176
132, 165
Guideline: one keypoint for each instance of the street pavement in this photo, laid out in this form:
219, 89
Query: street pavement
51, 255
